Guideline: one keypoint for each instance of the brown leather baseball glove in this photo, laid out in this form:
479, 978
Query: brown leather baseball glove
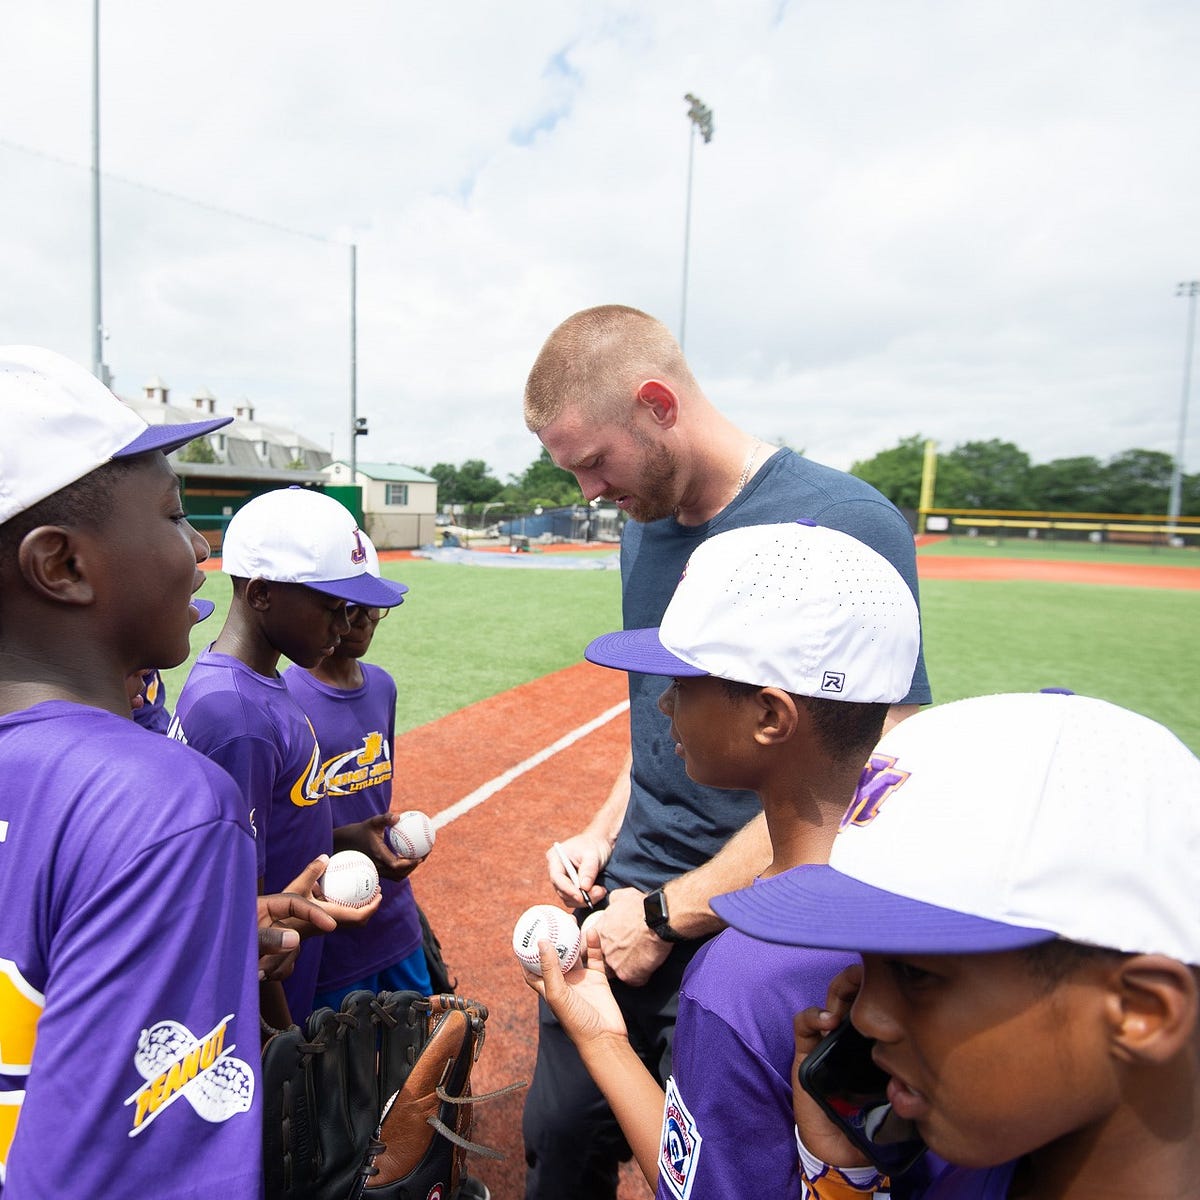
374, 1100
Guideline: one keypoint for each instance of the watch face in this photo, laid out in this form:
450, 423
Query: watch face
655, 906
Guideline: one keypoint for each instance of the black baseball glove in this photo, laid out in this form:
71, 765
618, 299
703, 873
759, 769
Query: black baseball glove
373, 1101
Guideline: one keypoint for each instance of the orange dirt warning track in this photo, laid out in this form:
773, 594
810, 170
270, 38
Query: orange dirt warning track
488, 865
489, 862
1039, 571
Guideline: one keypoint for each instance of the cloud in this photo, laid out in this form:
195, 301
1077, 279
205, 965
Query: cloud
964, 221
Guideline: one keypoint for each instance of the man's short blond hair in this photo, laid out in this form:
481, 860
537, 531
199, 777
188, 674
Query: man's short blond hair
596, 359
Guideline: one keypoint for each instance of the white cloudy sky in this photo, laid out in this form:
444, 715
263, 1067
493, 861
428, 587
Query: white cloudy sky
958, 218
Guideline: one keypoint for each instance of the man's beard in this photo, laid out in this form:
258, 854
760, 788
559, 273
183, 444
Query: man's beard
657, 493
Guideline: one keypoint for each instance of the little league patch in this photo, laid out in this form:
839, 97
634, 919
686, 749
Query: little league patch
679, 1152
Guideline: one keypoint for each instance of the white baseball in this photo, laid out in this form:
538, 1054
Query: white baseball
412, 836
350, 878
544, 921
593, 918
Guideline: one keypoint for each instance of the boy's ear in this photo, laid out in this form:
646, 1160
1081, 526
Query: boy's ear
660, 401
1154, 1008
777, 716
258, 594
54, 562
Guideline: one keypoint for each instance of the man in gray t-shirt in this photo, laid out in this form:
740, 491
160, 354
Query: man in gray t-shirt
613, 400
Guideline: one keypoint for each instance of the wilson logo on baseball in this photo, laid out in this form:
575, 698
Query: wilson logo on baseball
544, 922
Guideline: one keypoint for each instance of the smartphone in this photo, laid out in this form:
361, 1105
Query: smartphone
852, 1091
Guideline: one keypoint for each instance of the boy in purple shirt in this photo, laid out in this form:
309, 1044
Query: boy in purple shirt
297, 559
786, 644
352, 706
1019, 873
128, 962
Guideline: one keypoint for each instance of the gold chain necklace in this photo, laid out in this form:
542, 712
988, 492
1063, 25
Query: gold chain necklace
745, 475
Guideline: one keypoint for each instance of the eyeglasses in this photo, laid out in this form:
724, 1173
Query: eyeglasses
354, 611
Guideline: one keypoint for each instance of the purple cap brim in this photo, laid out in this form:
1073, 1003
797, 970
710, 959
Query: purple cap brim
820, 907
637, 650
367, 590
170, 437
203, 607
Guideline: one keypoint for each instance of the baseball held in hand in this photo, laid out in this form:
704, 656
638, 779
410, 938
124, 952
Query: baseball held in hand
412, 836
544, 922
350, 878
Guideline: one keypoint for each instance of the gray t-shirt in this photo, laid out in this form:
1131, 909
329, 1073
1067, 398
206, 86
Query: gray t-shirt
672, 824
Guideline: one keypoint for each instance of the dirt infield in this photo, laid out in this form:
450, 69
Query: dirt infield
489, 865
1038, 571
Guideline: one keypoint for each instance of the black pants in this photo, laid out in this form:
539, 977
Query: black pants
573, 1144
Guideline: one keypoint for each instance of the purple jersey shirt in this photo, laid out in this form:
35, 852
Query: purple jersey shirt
252, 727
356, 728
727, 1125
129, 1034
153, 714
935, 1179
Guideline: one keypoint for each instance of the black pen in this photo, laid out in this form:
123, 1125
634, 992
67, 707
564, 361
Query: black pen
570, 870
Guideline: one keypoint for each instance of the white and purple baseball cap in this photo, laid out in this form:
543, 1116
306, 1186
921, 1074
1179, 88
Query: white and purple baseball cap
795, 606
294, 535
1000, 822
60, 423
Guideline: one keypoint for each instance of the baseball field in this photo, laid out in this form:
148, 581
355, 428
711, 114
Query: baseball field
510, 741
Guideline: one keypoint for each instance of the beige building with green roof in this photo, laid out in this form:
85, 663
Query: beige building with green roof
399, 504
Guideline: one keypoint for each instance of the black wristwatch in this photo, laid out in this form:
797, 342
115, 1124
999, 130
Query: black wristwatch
658, 918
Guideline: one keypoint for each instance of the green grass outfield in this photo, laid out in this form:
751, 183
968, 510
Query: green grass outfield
465, 633
1065, 551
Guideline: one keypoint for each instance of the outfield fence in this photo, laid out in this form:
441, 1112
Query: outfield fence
1098, 528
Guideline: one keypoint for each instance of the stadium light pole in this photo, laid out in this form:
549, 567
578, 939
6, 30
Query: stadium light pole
358, 426
700, 118
1190, 289
98, 367
354, 428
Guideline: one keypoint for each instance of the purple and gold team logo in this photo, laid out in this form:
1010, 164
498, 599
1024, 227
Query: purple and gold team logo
363, 766
309, 788
879, 779
21, 1005
358, 555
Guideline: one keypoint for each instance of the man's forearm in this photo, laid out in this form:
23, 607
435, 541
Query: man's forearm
607, 821
746, 855
898, 713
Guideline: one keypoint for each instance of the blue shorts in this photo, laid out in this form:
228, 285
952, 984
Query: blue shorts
408, 975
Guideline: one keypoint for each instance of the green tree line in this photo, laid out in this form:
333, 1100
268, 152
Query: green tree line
980, 474
472, 485
998, 474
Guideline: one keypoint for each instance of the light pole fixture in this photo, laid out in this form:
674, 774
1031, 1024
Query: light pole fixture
1190, 289
700, 117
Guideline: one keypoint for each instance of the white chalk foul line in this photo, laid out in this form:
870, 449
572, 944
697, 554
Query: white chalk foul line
480, 794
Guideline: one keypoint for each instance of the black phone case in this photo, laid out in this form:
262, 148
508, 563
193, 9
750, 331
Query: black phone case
841, 1067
